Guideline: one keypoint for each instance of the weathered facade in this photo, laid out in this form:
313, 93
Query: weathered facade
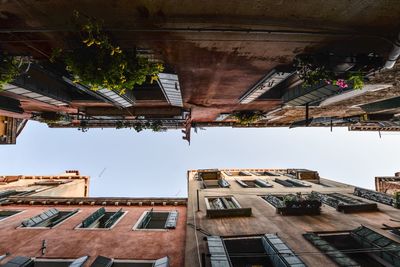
51, 221
67, 184
388, 184
287, 217
221, 59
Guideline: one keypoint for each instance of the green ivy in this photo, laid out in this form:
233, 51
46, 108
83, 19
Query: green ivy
248, 117
10, 68
98, 63
156, 125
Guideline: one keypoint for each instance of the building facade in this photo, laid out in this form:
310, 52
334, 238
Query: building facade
67, 184
388, 184
287, 217
97, 232
51, 221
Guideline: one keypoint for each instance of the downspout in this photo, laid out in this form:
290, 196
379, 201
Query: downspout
394, 54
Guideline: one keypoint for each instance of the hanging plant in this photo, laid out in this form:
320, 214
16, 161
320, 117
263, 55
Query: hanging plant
99, 63
156, 126
11, 67
312, 73
246, 117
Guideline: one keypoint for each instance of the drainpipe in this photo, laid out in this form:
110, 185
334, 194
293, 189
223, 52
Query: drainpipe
394, 54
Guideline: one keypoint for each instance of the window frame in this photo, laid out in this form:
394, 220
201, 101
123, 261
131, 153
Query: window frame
50, 227
79, 226
144, 214
18, 212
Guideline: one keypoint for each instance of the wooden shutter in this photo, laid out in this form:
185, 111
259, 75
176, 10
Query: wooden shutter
38, 219
163, 262
218, 255
63, 217
92, 218
79, 261
280, 254
171, 220
113, 218
223, 183
101, 261
262, 183
18, 262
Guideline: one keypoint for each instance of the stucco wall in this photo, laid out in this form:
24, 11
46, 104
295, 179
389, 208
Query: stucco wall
121, 242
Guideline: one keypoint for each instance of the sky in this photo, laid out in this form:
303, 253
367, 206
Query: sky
128, 164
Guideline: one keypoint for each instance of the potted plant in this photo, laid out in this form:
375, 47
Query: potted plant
11, 67
97, 62
246, 117
330, 69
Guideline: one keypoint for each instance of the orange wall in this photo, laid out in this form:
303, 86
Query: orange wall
121, 242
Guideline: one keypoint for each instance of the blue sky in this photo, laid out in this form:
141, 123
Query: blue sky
155, 164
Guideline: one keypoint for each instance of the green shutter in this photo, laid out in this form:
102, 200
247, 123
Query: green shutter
92, 218
101, 261
113, 218
38, 219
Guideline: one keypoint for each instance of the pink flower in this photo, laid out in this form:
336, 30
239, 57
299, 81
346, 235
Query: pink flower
341, 83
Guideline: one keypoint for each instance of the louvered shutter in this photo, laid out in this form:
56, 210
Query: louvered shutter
223, 183
18, 262
92, 218
79, 261
113, 218
101, 261
262, 183
38, 219
163, 262
171, 220
218, 253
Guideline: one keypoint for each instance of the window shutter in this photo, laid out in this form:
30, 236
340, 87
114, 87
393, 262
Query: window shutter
223, 183
262, 183
79, 261
280, 253
163, 262
113, 218
64, 217
101, 261
92, 218
218, 253
18, 262
241, 183
171, 220
146, 219
33, 221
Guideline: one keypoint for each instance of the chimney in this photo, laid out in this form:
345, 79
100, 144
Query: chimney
73, 171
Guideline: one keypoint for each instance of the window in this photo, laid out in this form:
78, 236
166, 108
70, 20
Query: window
291, 183
158, 220
4, 214
102, 219
295, 204
225, 207
49, 218
42, 262
101, 261
369, 248
265, 250
346, 203
253, 183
